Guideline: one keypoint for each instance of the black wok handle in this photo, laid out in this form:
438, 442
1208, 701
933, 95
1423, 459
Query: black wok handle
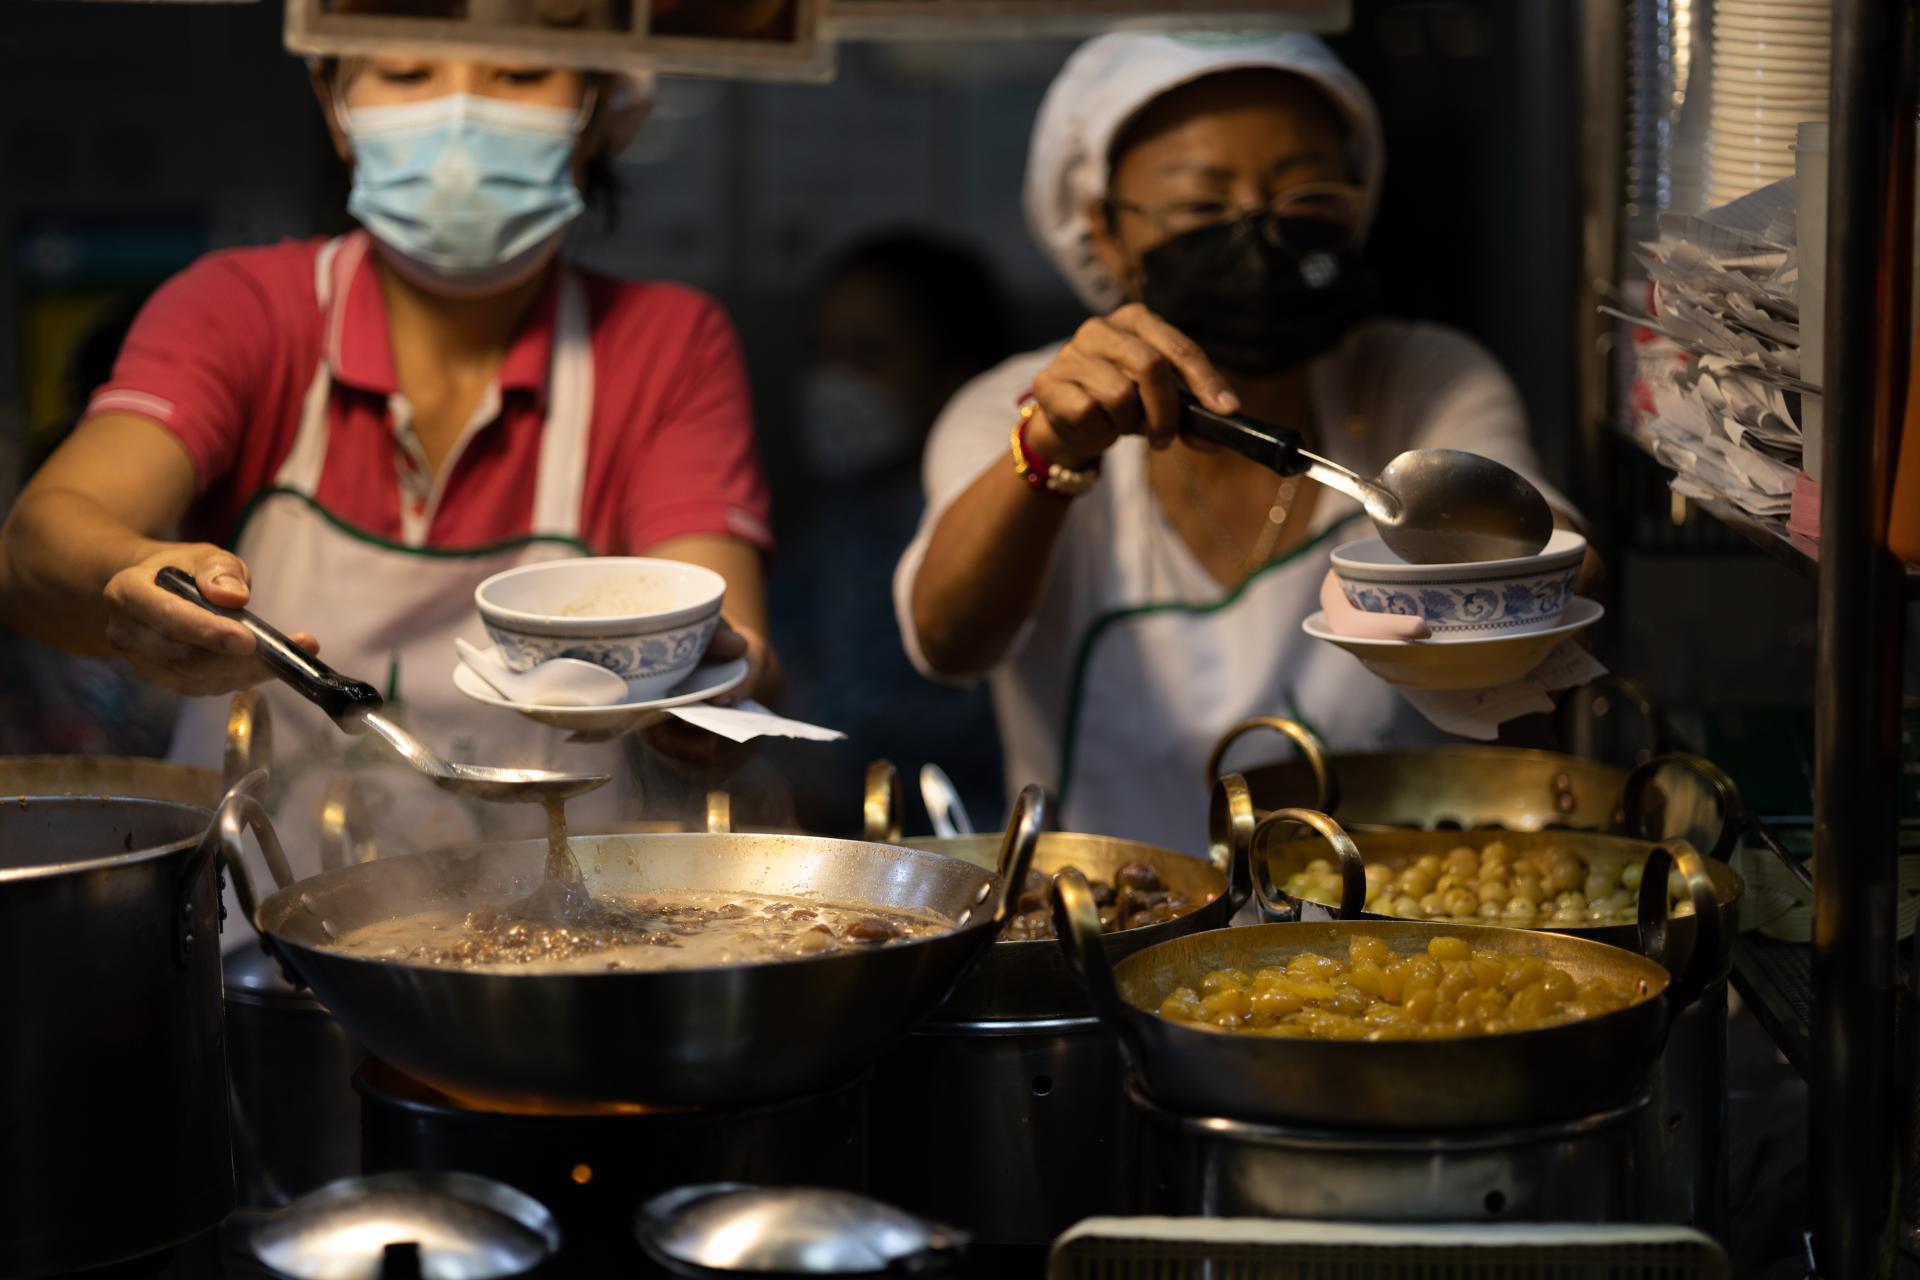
1276, 904
1024, 827
1311, 750
1703, 962
343, 698
1231, 822
1264, 443
885, 800
1633, 799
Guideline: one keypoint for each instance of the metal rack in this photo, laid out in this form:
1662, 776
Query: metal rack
1852, 984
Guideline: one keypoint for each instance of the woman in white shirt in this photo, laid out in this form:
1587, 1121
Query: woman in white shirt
1130, 595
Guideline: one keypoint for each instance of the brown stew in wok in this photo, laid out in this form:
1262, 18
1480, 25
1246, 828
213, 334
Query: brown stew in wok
636, 932
1134, 898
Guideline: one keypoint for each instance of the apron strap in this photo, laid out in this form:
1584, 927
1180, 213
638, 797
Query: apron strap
332, 269
561, 482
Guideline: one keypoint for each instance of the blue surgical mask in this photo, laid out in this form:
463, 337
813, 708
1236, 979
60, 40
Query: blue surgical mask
466, 195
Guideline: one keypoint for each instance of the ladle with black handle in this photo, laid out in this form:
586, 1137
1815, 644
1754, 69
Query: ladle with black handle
1431, 506
355, 706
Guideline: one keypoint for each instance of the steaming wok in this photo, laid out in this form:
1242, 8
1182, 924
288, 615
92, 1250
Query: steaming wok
690, 1037
1519, 1078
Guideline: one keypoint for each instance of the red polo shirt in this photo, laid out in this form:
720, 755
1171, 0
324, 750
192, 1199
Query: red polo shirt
224, 353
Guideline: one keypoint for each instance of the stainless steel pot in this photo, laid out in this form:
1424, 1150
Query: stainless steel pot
693, 1037
113, 1086
1512, 788
1686, 1125
1590, 1169
296, 1118
1049, 1140
1514, 1079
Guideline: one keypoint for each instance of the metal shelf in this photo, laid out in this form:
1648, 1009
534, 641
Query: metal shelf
1776, 980
1800, 554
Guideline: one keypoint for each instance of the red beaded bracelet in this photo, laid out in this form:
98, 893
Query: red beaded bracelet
1041, 475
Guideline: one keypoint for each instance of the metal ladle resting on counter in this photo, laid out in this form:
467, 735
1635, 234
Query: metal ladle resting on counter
355, 706
1432, 506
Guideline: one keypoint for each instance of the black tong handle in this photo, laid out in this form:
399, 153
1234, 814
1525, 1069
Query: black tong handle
341, 697
1270, 446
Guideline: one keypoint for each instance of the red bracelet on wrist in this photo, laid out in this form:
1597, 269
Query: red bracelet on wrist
1041, 475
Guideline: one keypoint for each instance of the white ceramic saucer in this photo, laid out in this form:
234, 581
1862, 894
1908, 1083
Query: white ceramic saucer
1459, 664
709, 680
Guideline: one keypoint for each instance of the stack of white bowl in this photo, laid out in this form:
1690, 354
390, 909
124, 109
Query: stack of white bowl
1770, 72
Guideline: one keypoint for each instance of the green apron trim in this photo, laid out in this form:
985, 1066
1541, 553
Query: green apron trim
1083, 659
388, 544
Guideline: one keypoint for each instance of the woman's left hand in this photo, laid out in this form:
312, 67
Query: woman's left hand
696, 749
730, 642
1345, 620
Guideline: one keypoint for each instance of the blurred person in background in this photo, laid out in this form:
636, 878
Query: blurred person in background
898, 322
1129, 595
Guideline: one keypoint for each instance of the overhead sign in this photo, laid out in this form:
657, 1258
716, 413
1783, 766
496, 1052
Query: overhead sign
743, 39
757, 39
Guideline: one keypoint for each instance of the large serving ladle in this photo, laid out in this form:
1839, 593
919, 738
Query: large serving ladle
355, 706
1432, 506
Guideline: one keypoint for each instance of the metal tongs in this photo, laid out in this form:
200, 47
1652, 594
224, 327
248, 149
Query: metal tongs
355, 706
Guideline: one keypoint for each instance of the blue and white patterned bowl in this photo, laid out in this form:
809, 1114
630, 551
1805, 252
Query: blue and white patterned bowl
646, 620
1465, 601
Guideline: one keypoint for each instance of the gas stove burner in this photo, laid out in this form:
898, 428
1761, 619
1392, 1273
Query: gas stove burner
512, 1104
593, 1165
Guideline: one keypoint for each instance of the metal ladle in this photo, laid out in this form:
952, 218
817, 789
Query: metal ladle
1431, 506
355, 705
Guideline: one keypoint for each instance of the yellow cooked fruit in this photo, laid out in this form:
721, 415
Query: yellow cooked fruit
1489, 886
1453, 989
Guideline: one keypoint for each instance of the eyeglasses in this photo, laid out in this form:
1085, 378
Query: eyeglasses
1338, 203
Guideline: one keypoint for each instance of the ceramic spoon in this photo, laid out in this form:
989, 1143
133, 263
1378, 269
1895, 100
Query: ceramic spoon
1431, 506
557, 682
355, 705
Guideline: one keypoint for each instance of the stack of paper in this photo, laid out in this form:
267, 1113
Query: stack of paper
1719, 401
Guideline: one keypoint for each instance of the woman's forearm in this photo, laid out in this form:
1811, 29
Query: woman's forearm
93, 510
983, 570
58, 549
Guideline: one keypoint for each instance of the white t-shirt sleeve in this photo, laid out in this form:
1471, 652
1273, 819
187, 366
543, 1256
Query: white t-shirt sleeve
1445, 391
970, 437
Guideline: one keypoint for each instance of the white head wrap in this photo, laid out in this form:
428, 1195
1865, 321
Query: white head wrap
1110, 80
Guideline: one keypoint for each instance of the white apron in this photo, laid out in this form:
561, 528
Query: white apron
388, 614
1156, 683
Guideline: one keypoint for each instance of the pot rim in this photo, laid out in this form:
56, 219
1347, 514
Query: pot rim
51, 870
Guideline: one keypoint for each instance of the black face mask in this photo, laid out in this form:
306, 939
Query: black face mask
1262, 294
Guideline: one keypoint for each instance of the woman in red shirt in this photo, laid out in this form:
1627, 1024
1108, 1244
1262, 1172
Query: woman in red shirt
347, 435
